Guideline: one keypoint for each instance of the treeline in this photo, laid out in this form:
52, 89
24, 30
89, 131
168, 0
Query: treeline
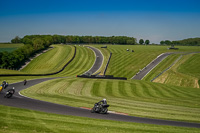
185, 42
14, 60
58, 39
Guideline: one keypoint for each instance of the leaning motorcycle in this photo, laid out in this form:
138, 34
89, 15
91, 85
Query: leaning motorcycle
100, 108
4, 85
9, 93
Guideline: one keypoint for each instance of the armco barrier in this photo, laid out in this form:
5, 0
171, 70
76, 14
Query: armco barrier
101, 77
107, 64
46, 73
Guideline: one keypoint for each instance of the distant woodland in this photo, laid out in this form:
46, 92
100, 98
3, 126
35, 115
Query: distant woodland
185, 42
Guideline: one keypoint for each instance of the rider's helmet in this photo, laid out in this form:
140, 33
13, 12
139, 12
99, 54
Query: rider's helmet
13, 88
104, 99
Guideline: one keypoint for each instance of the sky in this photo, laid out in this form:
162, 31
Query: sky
155, 20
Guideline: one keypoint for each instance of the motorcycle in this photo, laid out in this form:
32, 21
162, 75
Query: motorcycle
100, 108
4, 85
9, 93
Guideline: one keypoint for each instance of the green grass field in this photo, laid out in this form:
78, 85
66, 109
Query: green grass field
191, 66
9, 47
6, 71
126, 63
56, 58
161, 66
82, 62
50, 61
15, 120
185, 72
137, 98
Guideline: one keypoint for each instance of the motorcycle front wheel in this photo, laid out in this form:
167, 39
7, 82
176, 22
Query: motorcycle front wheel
8, 95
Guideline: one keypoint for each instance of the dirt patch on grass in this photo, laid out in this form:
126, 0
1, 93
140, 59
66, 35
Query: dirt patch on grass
197, 83
162, 78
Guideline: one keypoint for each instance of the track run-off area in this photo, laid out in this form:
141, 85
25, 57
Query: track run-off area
21, 101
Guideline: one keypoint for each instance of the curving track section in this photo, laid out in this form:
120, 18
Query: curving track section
98, 62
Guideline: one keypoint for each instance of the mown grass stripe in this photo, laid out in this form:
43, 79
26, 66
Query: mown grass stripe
109, 91
122, 90
133, 90
95, 90
161, 91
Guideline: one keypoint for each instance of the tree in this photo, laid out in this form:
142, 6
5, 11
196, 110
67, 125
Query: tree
162, 42
16, 40
167, 42
147, 42
141, 41
26, 40
38, 44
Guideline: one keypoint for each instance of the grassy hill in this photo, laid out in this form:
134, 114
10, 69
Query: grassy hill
82, 62
50, 61
137, 98
185, 72
56, 58
126, 63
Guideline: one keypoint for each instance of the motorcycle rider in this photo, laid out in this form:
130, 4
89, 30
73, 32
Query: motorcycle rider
102, 103
4, 84
25, 81
10, 92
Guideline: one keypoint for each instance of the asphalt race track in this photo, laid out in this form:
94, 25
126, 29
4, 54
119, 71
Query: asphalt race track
142, 73
149, 67
23, 102
98, 62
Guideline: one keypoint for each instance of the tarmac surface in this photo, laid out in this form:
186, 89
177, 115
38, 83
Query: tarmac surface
142, 73
98, 62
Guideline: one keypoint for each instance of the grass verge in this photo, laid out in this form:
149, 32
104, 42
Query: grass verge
23, 121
